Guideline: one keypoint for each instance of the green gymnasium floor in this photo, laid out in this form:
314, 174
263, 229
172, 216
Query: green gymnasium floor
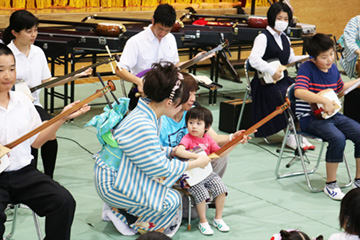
258, 204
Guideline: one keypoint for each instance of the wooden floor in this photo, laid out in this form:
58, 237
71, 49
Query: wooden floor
71, 14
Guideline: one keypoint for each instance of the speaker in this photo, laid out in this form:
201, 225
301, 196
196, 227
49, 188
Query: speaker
351, 100
229, 115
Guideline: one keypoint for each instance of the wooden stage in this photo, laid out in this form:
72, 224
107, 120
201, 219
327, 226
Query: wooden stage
71, 14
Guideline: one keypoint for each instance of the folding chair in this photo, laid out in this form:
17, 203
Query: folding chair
190, 203
291, 128
12, 231
247, 95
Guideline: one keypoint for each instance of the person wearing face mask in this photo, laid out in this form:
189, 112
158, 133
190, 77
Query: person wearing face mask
273, 44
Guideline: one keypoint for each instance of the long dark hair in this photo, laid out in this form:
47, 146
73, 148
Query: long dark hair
19, 20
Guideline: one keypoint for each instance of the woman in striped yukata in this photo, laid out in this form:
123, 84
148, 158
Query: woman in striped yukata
138, 186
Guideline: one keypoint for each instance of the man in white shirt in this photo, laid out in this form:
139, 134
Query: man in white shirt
154, 44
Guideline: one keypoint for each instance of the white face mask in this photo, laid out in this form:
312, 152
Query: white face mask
280, 25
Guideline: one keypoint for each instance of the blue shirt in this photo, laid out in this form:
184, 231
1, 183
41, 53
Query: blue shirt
172, 132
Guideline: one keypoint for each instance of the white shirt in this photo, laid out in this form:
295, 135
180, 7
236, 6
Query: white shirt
19, 118
343, 236
259, 48
32, 69
144, 49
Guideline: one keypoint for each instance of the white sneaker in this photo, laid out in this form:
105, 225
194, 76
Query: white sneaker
333, 191
306, 143
120, 225
221, 225
205, 229
356, 184
104, 212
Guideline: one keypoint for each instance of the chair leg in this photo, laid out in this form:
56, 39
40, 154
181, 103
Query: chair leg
36, 221
348, 172
305, 171
189, 213
12, 231
37, 226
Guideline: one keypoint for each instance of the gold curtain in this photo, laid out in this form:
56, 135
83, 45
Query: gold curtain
31, 4
117, 3
133, 3
5, 4
258, 3
77, 3
105, 3
93, 3
166, 1
18, 3
184, 1
43, 3
60, 3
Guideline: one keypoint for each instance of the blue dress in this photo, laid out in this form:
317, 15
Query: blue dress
266, 98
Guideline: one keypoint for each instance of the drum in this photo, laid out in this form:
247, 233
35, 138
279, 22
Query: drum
110, 29
257, 22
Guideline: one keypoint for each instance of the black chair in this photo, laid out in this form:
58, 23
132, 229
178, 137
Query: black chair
302, 156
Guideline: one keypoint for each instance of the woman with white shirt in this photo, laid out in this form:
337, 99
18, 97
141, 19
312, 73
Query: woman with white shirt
269, 45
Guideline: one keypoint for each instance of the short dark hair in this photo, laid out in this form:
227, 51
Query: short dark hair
160, 81
318, 44
275, 9
349, 216
152, 235
165, 14
296, 235
19, 20
190, 83
200, 113
5, 50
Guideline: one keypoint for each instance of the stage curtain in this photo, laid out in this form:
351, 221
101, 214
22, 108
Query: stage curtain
5, 4
184, 1
117, 3
43, 3
196, 1
18, 3
166, 1
93, 3
105, 3
60, 3
30, 4
258, 3
132, 3
77, 3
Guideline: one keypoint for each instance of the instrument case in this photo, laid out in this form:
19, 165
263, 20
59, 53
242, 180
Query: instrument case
229, 115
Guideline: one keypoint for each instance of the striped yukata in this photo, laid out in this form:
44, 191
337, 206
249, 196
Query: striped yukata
142, 182
334, 130
351, 40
